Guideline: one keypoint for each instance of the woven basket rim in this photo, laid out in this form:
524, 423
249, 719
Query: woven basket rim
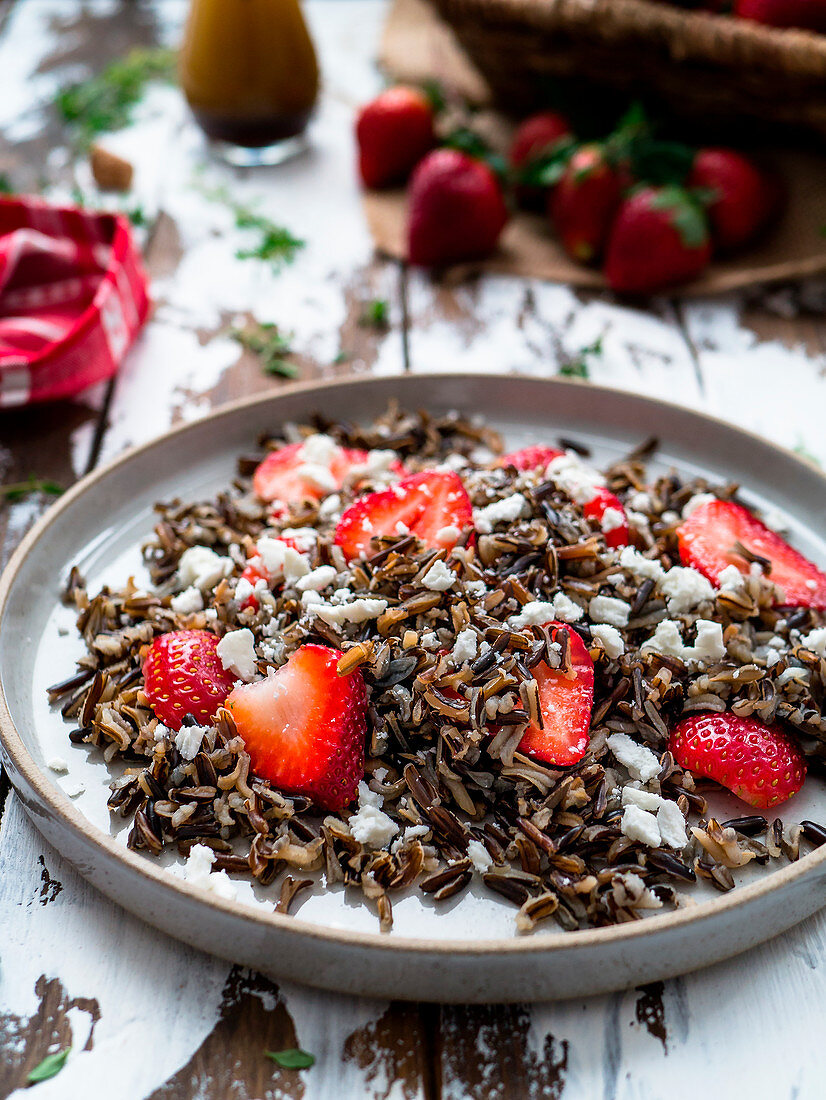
688, 34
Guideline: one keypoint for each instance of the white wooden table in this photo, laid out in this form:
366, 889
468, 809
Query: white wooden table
148, 1017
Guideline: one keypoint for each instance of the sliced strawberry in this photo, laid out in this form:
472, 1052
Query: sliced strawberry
432, 505
287, 475
535, 457
183, 675
305, 726
760, 764
708, 542
566, 704
595, 509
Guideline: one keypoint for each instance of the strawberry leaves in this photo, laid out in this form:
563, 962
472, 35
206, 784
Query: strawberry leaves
687, 214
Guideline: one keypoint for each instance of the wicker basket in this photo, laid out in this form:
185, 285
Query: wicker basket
698, 64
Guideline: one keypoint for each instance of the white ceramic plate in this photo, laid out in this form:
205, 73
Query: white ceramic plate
467, 950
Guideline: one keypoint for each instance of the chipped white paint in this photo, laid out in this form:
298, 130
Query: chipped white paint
172, 992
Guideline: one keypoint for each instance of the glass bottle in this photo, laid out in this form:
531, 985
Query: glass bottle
249, 72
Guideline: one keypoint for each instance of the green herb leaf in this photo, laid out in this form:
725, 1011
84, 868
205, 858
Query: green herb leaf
547, 169
105, 102
687, 215
342, 357
375, 314
269, 344
435, 95
6, 184
275, 244
51, 1065
466, 141
20, 489
291, 1059
577, 367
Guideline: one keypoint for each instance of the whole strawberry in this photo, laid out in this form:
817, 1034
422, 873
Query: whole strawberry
805, 14
456, 209
659, 239
742, 199
393, 131
536, 136
583, 203
760, 764
184, 675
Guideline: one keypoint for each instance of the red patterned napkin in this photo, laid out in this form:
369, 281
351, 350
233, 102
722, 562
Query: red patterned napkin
73, 294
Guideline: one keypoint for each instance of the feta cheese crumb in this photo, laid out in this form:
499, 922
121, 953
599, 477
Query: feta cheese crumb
640, 825
731, 580
477, 589
672, 825
684, 589
633, 796
611, 519
537, 612
575, 477
448, 536
815, 640
202, 568
641, 567
368, 797
282, 560
610, 639
479, 856
439, 577
198, 871
317, 579
430, 640
697, 501
501, 511
640, 761
372, 827
73, 788
188, 740
330, 507
187, 602
336, 614
666, 639
237, 653
465, 647
57, 764
609, 609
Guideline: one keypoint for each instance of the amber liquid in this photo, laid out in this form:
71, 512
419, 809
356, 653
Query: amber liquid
248, 70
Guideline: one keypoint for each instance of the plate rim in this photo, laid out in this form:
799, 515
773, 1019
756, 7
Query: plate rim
65, 812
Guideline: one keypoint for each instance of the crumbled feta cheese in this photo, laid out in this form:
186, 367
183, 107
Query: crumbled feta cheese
282, 560
187, 602
640, 825
479, 856
430, 640
318, 449
198, 871
501, 511
633, 796
611, 519
815, 640
666, 639
372, 827
202, 567
640, 761
731, 580
641, 567
709, 645
402, 528
188, 740
575, 477
57, 764
317, 579
776, 520
304, 538
368, 797
448, 536
477, 589
330, 508
697, 501
609, 609
640, 501
73, 788
237, 653
465, 647
439, 577
630, 892
672, 824
378, 467
245, 591
537, 612
684, 589
637, 520
357, 611
610, 638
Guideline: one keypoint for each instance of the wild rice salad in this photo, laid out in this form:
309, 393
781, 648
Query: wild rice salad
392, 656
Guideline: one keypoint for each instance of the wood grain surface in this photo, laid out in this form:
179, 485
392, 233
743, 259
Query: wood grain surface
147, 1017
